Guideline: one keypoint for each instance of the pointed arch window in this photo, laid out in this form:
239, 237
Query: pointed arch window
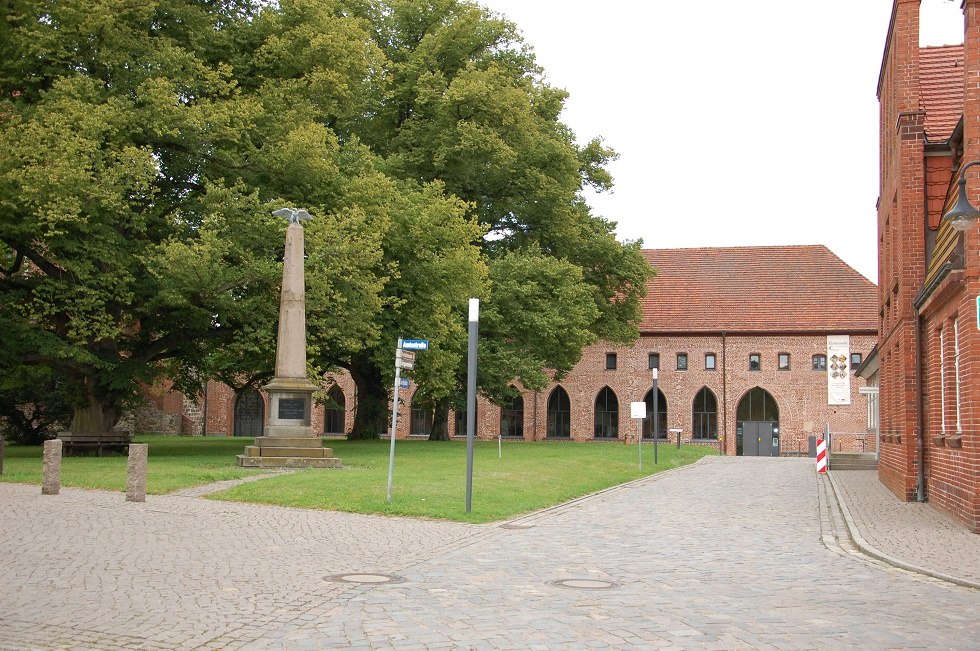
559, 414
705, 415
512, 418
606, 415
661, 415
336, 410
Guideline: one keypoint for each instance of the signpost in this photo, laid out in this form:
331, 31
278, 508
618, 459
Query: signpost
404, 359
638, 410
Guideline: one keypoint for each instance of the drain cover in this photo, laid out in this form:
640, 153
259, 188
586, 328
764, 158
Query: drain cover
365, 578
585, 584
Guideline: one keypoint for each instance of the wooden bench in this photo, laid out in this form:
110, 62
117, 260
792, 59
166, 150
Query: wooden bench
114, 440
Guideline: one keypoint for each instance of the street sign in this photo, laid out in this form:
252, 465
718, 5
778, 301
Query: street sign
405, 359
415, 344
403, 382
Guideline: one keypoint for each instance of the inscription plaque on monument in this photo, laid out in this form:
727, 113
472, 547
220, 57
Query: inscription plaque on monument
292, 409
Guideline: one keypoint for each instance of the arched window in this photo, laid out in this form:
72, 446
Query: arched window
334, 416
422, 417
512, 418
661, 415
705, 415
460, 422
249, 413
606, 415
757, 406
559, 414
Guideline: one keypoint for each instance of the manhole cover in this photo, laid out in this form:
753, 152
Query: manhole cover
585, 584
365, 578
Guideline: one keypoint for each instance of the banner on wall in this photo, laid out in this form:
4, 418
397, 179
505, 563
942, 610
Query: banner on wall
838, 370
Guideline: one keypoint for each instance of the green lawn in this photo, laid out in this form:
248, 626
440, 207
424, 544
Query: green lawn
429, 477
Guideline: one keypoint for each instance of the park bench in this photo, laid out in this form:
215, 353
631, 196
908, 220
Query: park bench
114, 440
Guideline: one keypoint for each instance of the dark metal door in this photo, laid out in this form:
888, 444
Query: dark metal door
759, 439
249, 414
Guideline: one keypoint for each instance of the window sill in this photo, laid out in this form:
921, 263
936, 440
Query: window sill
954, 441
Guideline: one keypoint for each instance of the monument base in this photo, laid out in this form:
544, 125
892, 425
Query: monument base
288, 452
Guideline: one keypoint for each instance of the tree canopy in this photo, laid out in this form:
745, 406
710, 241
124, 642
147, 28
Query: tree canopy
143, 147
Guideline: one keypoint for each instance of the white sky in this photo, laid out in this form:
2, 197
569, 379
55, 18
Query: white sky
737, 123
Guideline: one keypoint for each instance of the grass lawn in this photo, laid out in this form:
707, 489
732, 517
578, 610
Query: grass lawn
429, 478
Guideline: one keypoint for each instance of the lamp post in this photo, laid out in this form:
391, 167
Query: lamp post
963, 215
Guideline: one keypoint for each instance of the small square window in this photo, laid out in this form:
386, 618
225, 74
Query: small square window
783, 361
709, 362
610, 361
653, 360
681, 361
856, 359
819, 362
755, 362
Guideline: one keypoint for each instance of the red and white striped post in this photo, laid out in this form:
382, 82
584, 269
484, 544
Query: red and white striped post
821, 455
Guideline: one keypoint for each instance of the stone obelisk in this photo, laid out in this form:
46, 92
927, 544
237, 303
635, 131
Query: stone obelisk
289, 440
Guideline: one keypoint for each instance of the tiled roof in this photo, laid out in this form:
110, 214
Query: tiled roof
783, 289
941, 89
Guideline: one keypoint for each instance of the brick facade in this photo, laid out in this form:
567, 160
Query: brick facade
929, 341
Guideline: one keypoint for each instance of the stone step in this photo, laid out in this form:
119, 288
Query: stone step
289, 441
269, 451
288, 462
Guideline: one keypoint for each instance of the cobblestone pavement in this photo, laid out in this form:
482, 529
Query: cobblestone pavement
730, 553
910, 533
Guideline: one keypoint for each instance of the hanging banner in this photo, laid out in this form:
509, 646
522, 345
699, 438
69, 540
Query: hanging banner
838, 370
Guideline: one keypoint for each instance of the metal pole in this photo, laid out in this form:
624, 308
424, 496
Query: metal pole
394, 419
639, 441
656, 416
474, 327
500, 447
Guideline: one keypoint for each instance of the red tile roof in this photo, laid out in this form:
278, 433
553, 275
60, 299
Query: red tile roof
785, 289
941, 89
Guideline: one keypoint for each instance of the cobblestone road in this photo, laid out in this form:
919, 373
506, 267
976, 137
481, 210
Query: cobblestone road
731, 553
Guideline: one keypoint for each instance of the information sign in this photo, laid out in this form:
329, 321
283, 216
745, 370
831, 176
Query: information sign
415, 344
292, 408
638, 410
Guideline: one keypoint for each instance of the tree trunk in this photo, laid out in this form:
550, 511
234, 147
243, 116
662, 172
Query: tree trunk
371, 414
98, 416
440, 422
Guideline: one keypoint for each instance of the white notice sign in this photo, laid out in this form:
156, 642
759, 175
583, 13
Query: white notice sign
838, 370
638, 410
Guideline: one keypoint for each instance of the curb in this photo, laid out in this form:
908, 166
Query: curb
866, 547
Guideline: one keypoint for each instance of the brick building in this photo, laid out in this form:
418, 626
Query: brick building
739, 337
929, 348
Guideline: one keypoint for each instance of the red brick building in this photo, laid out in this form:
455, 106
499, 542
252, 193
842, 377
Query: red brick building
929, 344
739, 337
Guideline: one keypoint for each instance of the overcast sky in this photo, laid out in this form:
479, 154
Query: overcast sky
737, 123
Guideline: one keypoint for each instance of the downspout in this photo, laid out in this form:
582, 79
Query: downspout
920, 490
920, 495
724, 394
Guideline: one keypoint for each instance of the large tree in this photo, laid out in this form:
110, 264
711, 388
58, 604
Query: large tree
144, 146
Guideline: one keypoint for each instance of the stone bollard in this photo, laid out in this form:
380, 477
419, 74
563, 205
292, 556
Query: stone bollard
51, 470
136, 473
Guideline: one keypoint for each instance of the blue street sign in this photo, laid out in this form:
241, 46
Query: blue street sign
415, 344
403, 382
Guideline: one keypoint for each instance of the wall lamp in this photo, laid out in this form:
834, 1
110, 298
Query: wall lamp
963, 215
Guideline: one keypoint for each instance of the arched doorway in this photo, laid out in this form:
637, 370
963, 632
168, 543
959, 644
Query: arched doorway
559, 414
249, 413
606, 414
335, 413
661, 415
757, 425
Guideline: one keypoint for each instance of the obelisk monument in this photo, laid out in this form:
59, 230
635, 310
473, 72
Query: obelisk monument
289, 440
